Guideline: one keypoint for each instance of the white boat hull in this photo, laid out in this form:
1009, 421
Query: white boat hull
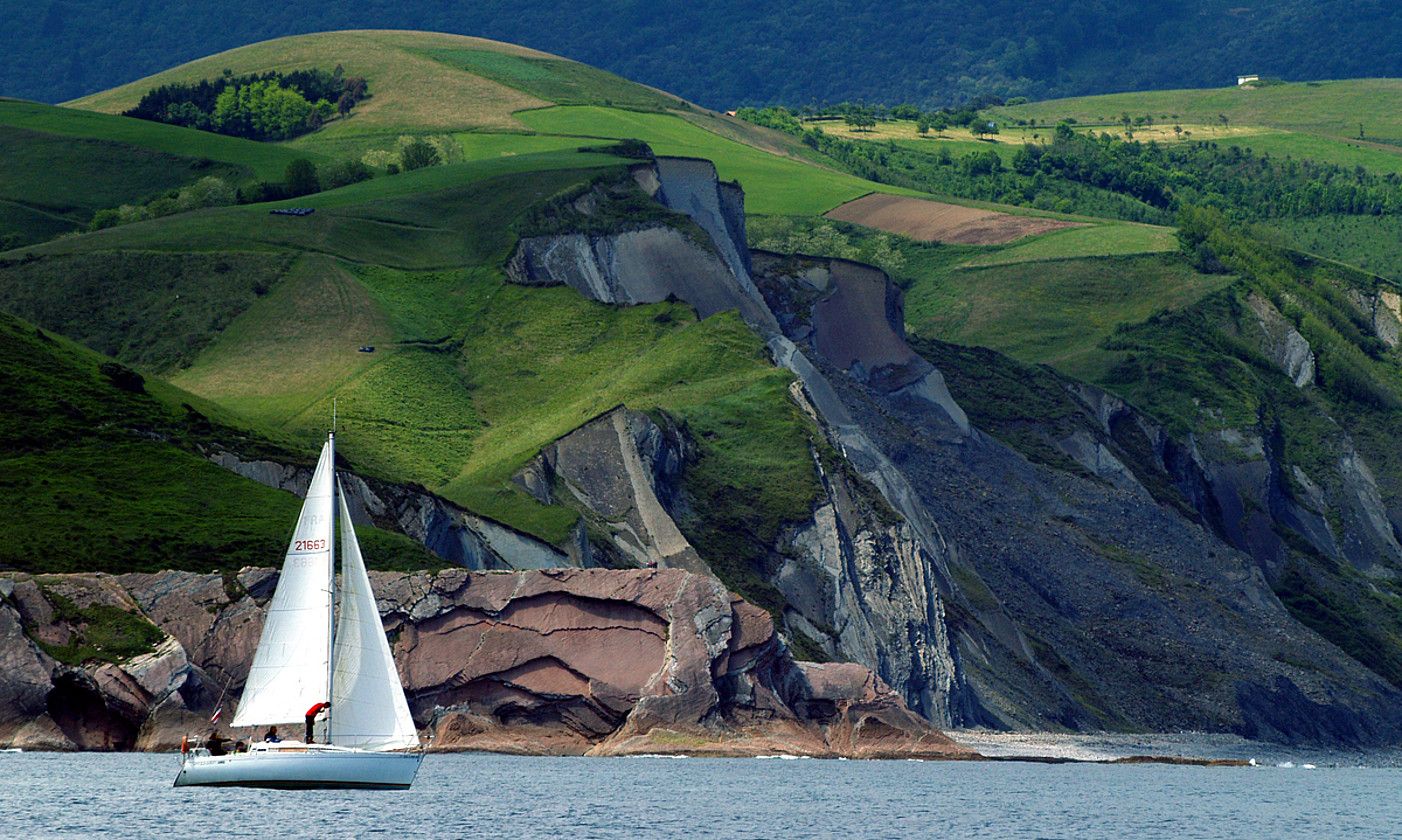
301, 767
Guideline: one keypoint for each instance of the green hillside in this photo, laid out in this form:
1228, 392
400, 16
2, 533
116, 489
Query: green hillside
81, 431
470, 376
62, 165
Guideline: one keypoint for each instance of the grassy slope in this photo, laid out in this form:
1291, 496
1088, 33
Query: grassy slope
1052, 312
1373, 243
1326, 108
471, 375
72, 442
1378, 157
772, 184
265, 160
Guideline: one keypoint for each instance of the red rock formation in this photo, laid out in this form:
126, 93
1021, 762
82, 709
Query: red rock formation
548, 662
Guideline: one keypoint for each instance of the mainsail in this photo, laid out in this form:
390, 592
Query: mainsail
368, 709
291, 670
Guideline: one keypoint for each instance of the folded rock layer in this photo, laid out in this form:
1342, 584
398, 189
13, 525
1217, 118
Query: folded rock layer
566, 661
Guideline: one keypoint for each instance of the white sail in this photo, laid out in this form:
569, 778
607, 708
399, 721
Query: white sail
291, 670
368, 709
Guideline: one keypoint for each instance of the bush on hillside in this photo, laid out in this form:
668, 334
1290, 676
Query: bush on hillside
418, 154
209, 191
344, 173
445, 149
300, 178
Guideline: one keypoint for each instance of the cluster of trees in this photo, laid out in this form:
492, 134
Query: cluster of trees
267, 106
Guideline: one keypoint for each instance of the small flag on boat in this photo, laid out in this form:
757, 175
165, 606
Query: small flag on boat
214, 718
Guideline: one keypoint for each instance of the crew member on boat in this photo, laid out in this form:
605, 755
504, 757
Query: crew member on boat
311, 719
271, 736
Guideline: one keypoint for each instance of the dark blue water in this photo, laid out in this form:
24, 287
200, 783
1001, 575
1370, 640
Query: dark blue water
51, 795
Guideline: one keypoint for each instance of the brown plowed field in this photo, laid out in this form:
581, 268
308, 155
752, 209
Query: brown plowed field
934, 221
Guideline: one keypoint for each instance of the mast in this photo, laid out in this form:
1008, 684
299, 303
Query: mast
331, 581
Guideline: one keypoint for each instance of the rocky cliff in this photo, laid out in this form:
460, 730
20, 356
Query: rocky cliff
559, 662
1097, 577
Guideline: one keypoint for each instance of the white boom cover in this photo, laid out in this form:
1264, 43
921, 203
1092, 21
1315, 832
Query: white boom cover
291, 670
368, 709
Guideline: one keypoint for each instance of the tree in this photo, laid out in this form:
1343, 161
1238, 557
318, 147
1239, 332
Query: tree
418, 154
300, 178
922, 125
1125, 119
940, 123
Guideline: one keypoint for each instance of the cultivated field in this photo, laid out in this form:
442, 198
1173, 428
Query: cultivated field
935, 221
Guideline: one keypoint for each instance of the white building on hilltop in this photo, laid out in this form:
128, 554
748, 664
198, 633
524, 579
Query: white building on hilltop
1243, 81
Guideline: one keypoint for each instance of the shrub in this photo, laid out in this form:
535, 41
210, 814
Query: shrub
418, 154
300, 178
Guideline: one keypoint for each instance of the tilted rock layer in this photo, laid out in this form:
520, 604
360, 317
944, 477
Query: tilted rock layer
567, 661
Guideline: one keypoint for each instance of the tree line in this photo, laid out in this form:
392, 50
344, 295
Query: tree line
1101, 175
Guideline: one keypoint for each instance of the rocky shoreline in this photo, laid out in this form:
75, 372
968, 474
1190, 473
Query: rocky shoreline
551, 662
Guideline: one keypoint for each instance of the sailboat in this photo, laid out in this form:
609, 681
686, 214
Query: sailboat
311, 658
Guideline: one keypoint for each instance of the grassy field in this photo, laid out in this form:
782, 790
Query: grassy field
1103, 240
1054, 312
480, 146
1327, 108
773, 184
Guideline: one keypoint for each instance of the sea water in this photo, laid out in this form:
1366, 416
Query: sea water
475, 795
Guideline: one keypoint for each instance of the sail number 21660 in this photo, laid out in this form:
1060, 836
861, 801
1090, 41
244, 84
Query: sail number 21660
309, 545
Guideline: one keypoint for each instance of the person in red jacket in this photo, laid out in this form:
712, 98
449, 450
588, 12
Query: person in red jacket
311, 718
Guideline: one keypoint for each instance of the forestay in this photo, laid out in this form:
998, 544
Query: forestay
291, 670
368, 709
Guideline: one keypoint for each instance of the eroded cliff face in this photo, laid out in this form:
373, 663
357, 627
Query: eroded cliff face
547, 662
865, 584
1109, 582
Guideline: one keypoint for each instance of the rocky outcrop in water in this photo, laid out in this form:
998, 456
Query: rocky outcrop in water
547, 662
